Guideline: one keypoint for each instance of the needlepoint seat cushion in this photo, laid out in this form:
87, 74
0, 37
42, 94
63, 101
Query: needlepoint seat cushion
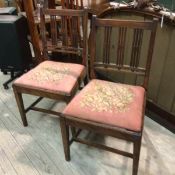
54, 77
109, 103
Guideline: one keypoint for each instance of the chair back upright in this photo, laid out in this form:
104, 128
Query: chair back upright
119, 44
67, 37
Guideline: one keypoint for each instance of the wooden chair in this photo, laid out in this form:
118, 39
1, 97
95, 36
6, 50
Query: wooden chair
110, 108
50, 79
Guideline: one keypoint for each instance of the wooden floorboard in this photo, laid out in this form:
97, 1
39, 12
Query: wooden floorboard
6, 167
14, 152
36, 149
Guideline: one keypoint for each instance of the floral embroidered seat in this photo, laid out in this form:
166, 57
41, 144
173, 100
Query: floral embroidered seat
109, 103
57, 77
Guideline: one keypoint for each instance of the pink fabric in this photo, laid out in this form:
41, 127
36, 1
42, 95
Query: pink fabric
52, 76
130, 118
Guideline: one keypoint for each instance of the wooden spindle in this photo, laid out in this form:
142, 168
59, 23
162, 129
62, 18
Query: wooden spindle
121, 46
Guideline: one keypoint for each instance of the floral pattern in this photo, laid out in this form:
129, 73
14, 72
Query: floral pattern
107, 97
50, 74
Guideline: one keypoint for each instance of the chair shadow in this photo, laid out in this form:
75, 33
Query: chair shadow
118, 164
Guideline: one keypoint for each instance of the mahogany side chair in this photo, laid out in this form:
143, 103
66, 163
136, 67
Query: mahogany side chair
51, 79
111, 108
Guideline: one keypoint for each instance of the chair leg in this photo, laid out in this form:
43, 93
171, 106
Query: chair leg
20, 104
136, 156
65, 138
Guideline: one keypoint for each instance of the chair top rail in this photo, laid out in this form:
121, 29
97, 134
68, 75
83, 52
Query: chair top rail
125, 23
65, 12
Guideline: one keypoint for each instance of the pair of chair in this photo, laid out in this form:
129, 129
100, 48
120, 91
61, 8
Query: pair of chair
103, 107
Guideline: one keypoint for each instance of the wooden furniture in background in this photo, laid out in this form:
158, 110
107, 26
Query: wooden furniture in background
110, 108
19, 5
30, 5
56, 80
2, 4
72, 4
93, 6
35, 39
32, 13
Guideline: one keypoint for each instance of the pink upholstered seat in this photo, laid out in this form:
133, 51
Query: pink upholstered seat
110, 103
54, 77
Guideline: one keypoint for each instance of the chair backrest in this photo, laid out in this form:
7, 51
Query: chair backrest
119, 44
68, 36
72, 4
